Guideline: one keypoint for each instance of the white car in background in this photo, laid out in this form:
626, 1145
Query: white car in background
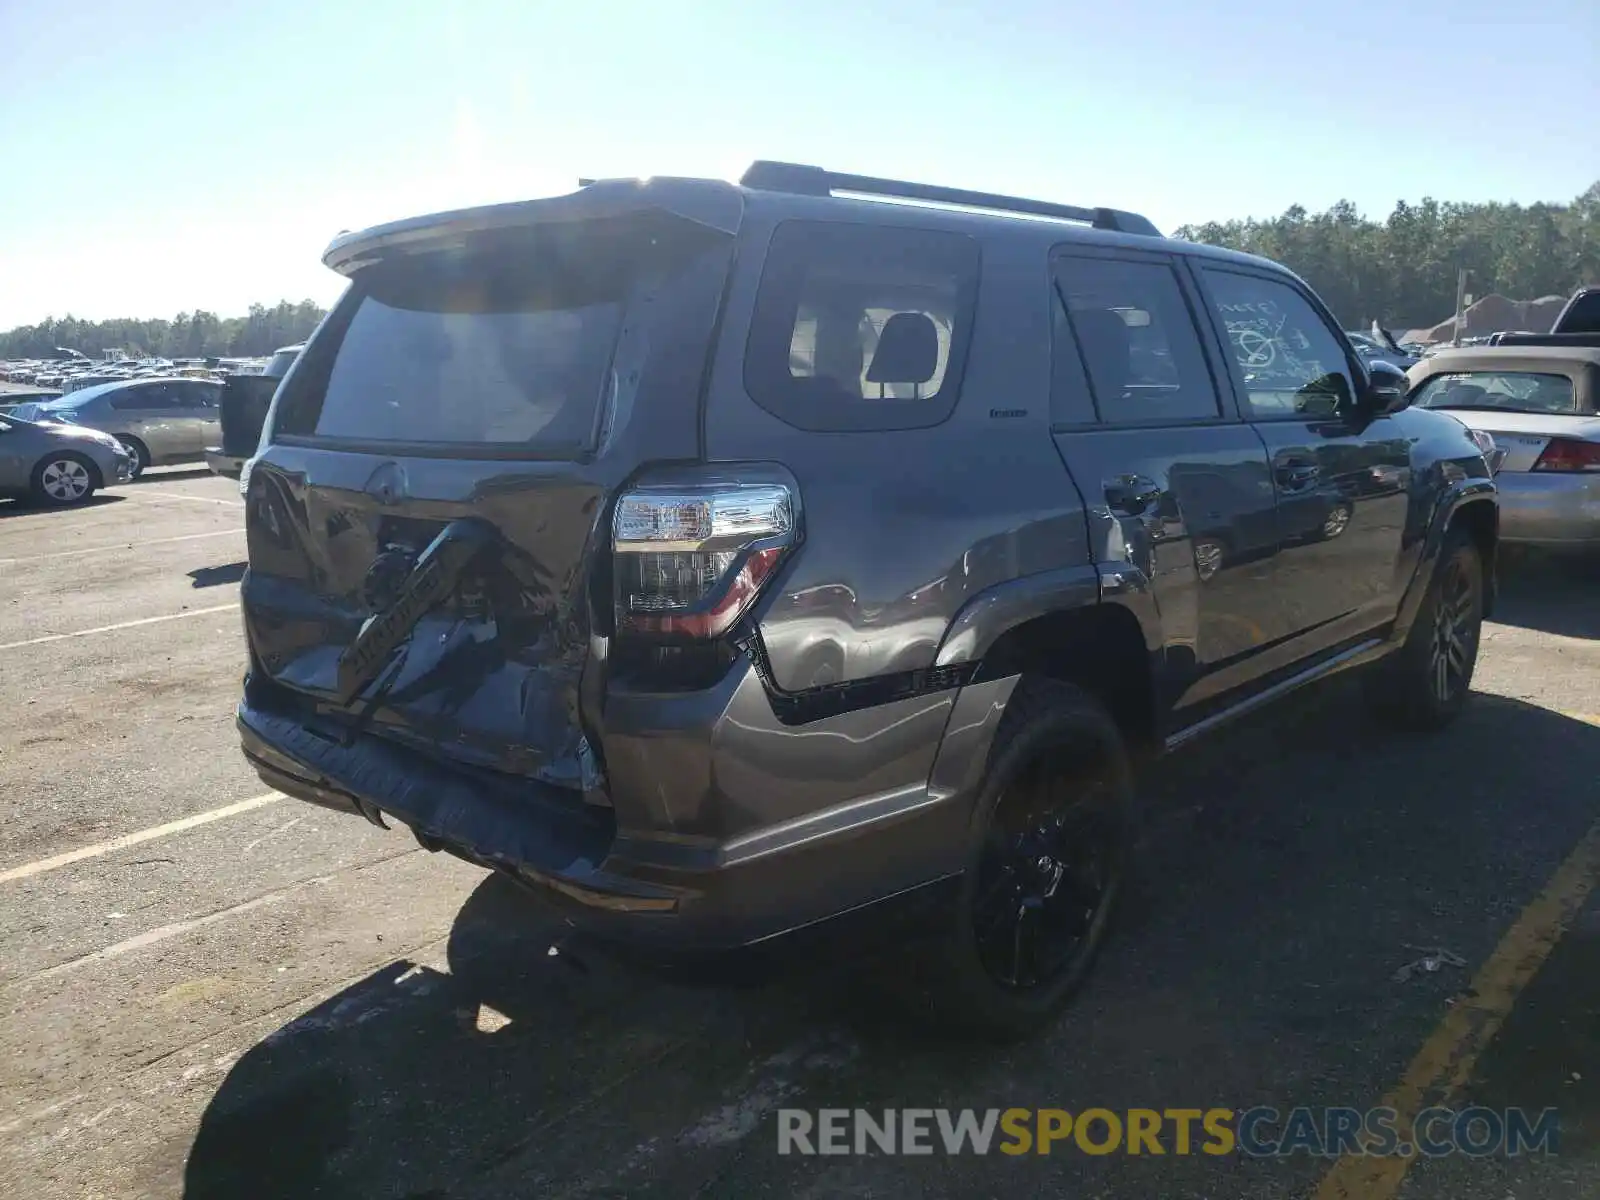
1539, 404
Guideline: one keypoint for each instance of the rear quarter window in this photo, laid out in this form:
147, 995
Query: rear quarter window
861, 327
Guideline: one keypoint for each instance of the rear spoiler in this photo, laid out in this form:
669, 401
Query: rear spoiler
716, 205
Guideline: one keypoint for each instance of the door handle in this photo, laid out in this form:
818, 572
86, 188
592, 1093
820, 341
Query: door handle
1132, 495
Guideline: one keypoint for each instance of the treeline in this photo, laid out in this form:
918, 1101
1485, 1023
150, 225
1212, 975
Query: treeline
188, 335
1402, 271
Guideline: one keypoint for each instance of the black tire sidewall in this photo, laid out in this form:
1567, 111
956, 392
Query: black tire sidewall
1405, 692
1058, 713
141, 456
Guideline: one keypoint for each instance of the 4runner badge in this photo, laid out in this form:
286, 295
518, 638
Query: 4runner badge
436, 575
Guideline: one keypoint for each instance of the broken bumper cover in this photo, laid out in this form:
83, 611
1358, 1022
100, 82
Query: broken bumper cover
664, 899
531, 830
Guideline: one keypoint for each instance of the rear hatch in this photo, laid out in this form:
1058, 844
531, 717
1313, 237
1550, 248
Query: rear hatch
427, 513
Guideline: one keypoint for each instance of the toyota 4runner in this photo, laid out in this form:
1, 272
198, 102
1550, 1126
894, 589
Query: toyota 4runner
718, 560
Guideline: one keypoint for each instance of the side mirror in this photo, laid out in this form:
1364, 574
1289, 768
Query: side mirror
1388, 390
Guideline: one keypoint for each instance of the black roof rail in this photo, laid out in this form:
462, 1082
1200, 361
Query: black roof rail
814, 181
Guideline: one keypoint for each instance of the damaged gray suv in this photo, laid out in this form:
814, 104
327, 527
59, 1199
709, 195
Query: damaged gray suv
723, 560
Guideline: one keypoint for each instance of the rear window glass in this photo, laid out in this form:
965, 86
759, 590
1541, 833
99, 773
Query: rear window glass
861, 326
1513, 391
278, 365
461, 352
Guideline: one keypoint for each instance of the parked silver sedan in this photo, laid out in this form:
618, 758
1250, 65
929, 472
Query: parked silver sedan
1539, 403
58, 465
158, 421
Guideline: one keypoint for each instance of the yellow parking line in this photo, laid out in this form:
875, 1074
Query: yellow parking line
1448, 1056
41, 865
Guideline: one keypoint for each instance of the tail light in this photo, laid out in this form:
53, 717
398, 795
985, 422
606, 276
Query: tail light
1568, 454
689, 562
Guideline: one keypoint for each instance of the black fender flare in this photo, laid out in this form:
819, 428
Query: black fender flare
981, 622
1474, 490
983, 619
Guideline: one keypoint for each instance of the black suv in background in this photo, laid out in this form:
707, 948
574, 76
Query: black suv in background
719, 560
243, 411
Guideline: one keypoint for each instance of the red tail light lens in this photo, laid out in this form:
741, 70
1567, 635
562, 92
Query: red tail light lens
1568, 454
689, 562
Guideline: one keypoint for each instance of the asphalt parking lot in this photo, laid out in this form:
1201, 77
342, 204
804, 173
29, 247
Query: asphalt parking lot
209, 991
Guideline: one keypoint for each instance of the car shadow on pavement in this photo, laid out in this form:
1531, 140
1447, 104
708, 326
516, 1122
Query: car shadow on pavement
1288, 866
1551, 596
205, 577
24, 508
417, 1082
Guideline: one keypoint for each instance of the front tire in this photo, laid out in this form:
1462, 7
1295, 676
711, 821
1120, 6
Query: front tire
64, 478
140, 455
1425, 683
1050, 845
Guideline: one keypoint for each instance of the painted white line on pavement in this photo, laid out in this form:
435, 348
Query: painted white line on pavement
61, 637
187, 537
190, 499
40, 866
151, 936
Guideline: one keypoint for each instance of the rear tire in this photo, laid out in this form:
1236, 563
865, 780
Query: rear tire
63, 478
141, 456
1425, 683
1048, 857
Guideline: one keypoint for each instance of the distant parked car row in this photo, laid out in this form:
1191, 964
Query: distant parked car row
69, 374
1372, 348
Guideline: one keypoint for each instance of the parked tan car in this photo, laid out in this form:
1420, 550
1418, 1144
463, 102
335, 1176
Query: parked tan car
159, 421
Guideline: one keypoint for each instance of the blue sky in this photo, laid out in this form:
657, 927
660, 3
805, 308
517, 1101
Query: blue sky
159, 155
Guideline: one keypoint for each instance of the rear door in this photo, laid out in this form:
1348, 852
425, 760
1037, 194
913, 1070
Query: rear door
1175, 482
198, 415
1341, 478
150, 412
484, 394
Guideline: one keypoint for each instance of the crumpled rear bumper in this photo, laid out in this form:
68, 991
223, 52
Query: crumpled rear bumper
875, 828
530, 830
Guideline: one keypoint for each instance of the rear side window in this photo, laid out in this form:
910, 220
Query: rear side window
861, 326
1132, 327
144, 397
199, 395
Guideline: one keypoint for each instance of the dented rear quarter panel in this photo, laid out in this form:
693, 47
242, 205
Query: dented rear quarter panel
905, 526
